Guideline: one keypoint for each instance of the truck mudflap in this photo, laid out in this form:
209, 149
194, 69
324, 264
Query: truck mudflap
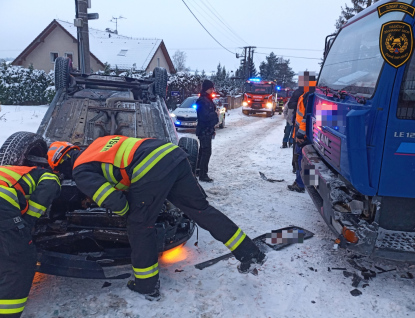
353, 217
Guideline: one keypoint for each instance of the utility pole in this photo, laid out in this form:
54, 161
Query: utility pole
248, 57
81, 22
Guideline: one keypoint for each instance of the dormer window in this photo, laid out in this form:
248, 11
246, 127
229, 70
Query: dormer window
123, 53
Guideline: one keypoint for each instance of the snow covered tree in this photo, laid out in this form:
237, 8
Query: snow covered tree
268, 68
179, 61
349, 12
252, 72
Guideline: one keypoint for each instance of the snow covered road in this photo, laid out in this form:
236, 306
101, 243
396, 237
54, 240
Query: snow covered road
299, 281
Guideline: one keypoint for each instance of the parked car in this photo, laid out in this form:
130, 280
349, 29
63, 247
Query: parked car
77, 238
185, 116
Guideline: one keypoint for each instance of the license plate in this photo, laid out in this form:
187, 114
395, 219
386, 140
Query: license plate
189, 124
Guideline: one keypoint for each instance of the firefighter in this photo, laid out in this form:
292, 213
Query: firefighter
25, 194
133, 177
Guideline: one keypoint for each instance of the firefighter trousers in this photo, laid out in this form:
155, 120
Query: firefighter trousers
17, 261
181, 188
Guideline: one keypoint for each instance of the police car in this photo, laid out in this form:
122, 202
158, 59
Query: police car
185, 116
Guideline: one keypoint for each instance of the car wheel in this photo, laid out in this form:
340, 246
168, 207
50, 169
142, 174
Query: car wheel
245, 112
160, 82
21, 144
62, 68
191, 147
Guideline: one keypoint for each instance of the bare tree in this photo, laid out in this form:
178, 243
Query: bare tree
179, 61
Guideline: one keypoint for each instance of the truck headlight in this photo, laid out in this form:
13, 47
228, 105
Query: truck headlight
269, 105
244, 104
172, 115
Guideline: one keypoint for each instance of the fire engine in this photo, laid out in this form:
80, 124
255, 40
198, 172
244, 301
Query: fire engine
259, 97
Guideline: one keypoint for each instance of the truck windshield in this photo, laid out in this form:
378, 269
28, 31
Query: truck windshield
258, 88
188, 103
354, 61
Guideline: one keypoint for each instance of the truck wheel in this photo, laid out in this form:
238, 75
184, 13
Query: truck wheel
245, 112
62, 77
18, 146
270, 114
160, 82
191, 147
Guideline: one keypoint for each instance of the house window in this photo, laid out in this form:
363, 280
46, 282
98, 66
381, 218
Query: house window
158, 62
70, 55
123, 53
53, 56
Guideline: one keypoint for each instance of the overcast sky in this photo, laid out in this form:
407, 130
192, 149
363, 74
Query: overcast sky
289, 28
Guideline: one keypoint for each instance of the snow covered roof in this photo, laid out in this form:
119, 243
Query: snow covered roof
118, 50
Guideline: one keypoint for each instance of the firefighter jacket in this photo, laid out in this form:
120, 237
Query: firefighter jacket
207, 116
300, 120
30, 189
112, 163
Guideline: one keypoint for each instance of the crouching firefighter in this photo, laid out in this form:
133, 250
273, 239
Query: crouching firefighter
133, 177
25, 194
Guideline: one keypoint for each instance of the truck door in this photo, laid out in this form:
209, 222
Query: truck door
397, 177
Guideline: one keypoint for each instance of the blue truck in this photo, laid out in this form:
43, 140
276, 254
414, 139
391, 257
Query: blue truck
361, 125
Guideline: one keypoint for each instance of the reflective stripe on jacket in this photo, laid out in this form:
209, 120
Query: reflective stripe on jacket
115, 162
300, 120
112, 151
37, 187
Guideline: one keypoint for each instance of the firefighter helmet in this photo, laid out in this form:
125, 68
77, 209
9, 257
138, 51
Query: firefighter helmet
57, 151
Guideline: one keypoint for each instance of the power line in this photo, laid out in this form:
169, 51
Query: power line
203, 14
285, 48
205, 28
218, 16
297, 57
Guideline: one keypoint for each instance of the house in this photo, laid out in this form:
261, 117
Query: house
59, 38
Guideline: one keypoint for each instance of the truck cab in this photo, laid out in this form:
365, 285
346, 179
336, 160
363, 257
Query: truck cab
359, 167
259, 97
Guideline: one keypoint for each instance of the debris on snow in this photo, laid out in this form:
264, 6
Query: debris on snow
355, 292
269, 180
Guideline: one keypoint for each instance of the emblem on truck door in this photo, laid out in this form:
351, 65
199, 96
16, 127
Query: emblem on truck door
396, 42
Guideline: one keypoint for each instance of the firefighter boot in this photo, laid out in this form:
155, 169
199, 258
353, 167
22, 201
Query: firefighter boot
247, 266
155, 295
284, 144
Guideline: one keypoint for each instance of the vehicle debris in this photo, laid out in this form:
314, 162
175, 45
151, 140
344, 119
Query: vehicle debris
269, 180
355, 292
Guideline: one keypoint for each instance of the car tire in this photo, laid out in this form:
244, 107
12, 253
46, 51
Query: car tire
245, 112
191, 147
18, 146
62, 72
160, 82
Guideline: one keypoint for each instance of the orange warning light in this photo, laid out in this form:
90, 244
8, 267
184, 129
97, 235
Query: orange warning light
174, 255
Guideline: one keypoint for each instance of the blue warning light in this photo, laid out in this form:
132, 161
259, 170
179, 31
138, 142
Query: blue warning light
255, 79
194, 106
278, 88
178, 123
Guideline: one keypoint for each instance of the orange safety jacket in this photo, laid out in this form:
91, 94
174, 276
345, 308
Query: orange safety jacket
112, 150
10, 176
300, 120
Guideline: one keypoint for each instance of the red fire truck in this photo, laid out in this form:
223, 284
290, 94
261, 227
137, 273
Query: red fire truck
259, 97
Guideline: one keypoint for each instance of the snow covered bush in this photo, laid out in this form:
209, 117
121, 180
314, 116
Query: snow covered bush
25, 86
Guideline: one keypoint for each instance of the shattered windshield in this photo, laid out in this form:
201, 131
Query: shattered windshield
354, 61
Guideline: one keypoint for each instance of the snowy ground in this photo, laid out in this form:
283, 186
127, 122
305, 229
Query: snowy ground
299, 281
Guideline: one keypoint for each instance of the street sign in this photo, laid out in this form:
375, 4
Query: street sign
175, 93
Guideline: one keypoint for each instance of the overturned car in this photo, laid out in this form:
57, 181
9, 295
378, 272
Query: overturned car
75, 237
